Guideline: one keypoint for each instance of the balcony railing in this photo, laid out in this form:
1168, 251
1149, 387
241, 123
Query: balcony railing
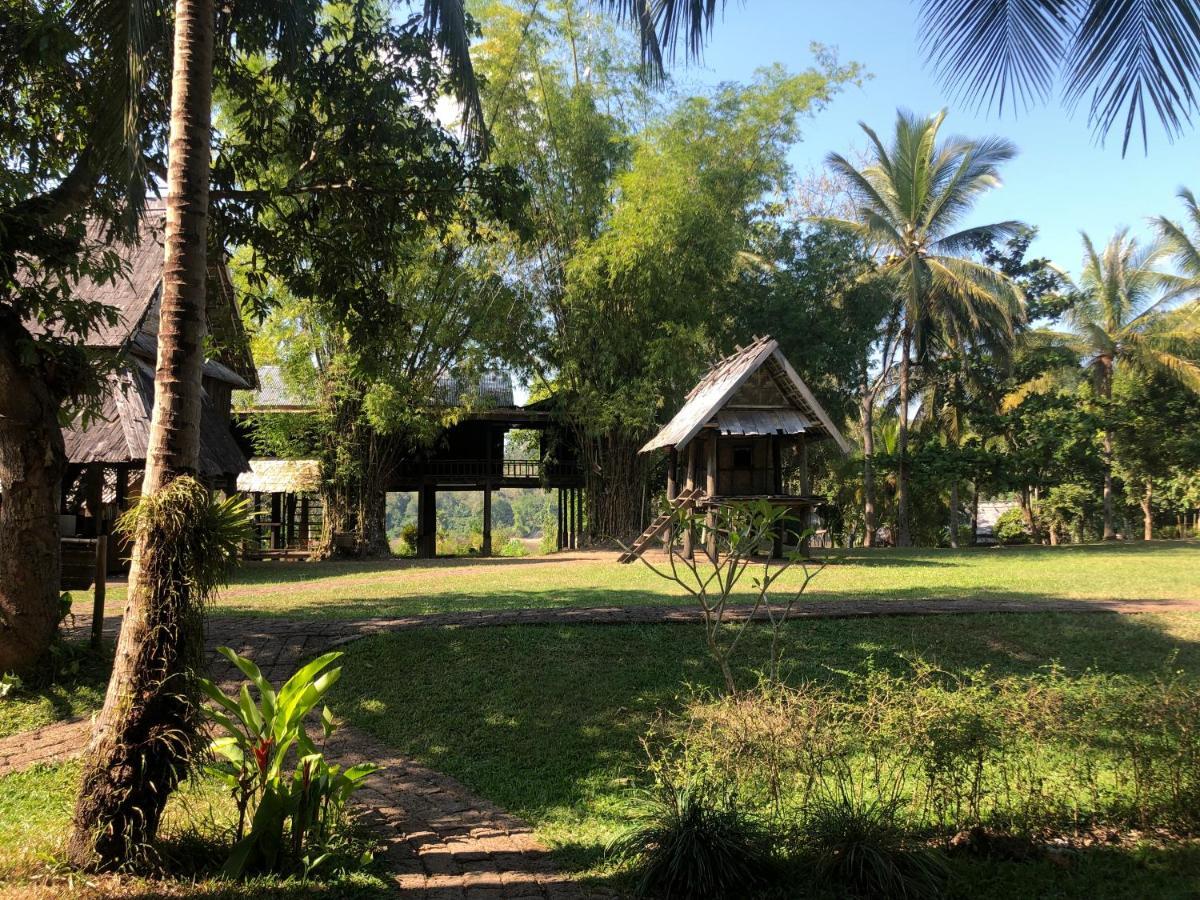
532, 469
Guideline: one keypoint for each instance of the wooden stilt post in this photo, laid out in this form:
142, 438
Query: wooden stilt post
689, 537
486, 549
304, 521
571, 518
561, 521
427, 522
98, 590
579, 517
805, 490
710, 472
672, 490
777, 490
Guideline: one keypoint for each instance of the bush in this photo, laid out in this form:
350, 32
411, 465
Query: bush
276, 774
693, 841
857, 848
514, 548
408, 539
1010, 528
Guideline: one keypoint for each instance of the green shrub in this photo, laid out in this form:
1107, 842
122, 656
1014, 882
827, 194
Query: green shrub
514, 548
409, 535
275, 772
1010, 528
693, 841
858, 849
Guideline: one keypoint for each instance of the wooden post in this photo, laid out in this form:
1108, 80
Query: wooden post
777, 490
561, 520
710, 520
276, 520
98, 590
689, 537
805, 490
578, 517
304, 532
672, 484
571, 518
427, 522
486, 549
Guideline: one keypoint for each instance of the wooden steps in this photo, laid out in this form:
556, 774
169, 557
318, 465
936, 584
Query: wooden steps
688, 498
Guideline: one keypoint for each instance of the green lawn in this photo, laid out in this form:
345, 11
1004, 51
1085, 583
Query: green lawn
1158, 570
35, 816
546, 720
76, 690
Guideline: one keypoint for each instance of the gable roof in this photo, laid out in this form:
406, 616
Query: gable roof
709, 402
135, 292
490, 390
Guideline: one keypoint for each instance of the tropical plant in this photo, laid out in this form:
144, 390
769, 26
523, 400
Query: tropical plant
1123, 316
187, 543
1134, 59
275, 771
1011, 528
911, 200
739, 538
858, 847
692, 840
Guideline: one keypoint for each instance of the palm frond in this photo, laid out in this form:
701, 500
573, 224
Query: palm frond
969, 238
1131, 54
446, 22
666, 25
996, 51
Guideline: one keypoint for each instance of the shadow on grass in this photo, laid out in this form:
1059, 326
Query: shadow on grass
546, 720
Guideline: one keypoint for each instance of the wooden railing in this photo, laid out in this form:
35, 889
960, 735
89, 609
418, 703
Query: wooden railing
533, 469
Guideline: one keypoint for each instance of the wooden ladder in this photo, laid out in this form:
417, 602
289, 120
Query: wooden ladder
688, 498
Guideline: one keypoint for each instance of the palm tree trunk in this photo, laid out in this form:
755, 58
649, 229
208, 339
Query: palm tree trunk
867, 417
142, 740
954, 514
32, 459
903, 538
1148, 512
1110, 533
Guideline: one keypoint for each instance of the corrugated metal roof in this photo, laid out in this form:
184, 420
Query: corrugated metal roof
273, 393
489, 391
281, 476
758, 422
716, 389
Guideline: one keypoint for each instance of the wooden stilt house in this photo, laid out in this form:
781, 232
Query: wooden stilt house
730, 439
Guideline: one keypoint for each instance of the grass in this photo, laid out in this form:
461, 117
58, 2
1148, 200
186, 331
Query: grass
35, 815
76, 690
546, 720
1145, 571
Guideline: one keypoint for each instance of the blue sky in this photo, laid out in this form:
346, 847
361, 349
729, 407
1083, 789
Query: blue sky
1062, 181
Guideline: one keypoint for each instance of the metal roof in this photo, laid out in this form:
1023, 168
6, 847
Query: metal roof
281, 476
800, 411
490, 390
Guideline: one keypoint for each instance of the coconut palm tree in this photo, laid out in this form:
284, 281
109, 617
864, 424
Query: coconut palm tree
1124, 316
911, 200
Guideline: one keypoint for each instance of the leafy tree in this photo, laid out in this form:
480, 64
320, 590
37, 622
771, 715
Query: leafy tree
911, 199
78, 134
1122, 317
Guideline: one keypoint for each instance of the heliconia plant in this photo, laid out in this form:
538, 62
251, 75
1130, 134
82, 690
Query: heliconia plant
276, 773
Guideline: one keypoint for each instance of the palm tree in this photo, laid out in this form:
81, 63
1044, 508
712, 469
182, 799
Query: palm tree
1123, 316
911, 200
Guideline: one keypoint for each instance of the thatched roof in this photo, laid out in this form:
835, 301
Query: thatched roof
281, 476
754, 391
134, 294
122, 431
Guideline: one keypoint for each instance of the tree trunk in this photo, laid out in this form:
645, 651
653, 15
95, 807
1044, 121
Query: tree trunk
613, 474
1148, 512
867, 419
974, 513
142, 742
954, 514
903, 537
1110, 533
32, 459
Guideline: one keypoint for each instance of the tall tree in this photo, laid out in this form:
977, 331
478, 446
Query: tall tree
911, 200
82, 90
1123, 316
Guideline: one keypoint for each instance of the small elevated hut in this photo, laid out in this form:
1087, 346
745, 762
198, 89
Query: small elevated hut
729, 440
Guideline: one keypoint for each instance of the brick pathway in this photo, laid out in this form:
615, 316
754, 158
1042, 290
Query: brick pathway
441, 841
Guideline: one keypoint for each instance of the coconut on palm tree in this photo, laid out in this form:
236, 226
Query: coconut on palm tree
910, 204
1127, 314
